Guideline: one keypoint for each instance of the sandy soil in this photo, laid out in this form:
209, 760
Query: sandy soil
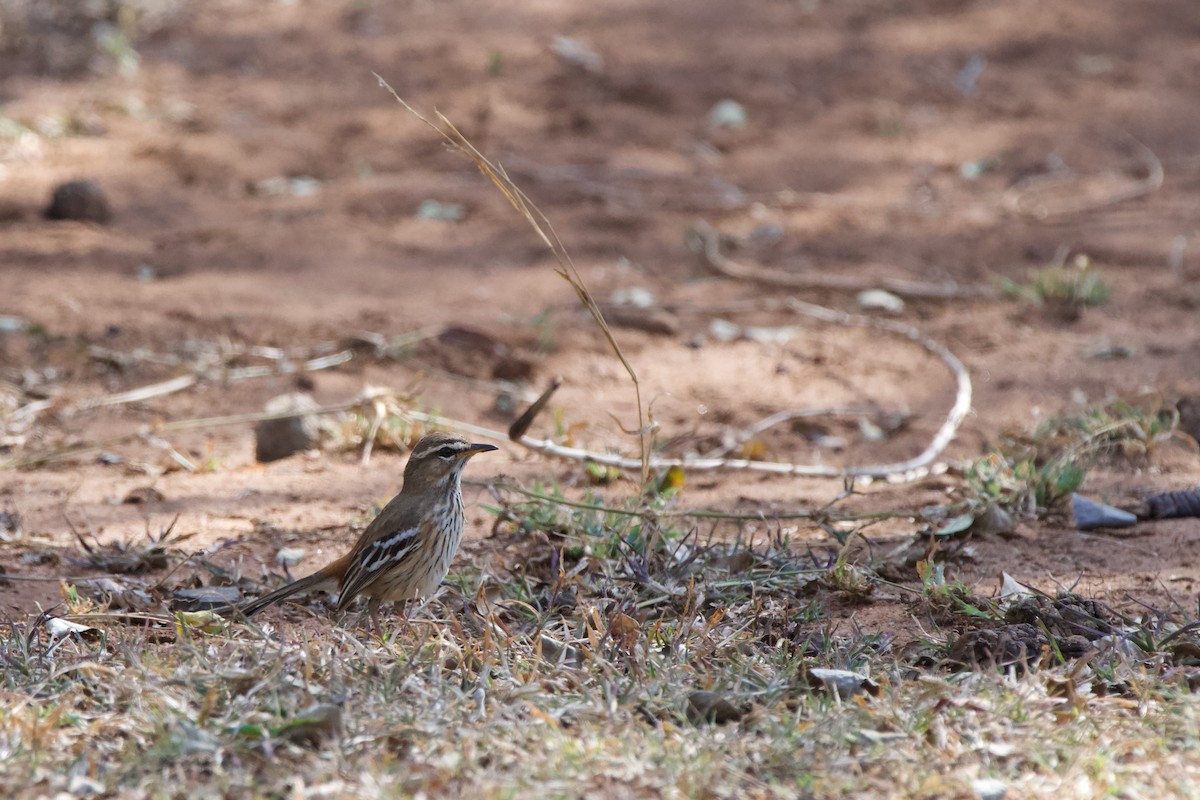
864, 123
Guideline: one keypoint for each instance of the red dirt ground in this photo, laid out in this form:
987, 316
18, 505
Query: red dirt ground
863, 112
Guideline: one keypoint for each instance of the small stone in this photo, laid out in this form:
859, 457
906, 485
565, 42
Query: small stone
771, 335
766, 234
513, 368
880, 300
974, 170
295, 433
970, 74
143, 495
290, 556
989, 788
727, 114
577, 54
441, 212
657, 321
870, 431
79, 200
724, 331
203, 598
634, 296
304, 186
299, 186
1090, 514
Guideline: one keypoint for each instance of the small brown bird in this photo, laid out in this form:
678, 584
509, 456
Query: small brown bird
406, 551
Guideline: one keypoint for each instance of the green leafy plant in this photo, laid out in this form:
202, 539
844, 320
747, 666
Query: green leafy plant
1065, 288
1034, 474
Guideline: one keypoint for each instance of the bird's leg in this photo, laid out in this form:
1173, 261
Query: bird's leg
373, 610
401, 610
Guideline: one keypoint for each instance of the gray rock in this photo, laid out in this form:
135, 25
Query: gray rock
203, 598
989, 788
79, 200
724, 331
880, 300
1090, 514
578, 54
657, 321
727, 114
441, 212
634, 296
290, 556
280, 438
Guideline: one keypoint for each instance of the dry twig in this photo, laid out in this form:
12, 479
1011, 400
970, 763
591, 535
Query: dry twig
707, 243
1049, 197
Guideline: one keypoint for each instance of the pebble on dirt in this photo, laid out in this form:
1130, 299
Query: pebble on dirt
989, 788
79, 200
203, 598
1090, 514
880, 300
727, 114
280, 438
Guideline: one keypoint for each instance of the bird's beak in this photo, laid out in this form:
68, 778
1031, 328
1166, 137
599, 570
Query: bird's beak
476, 449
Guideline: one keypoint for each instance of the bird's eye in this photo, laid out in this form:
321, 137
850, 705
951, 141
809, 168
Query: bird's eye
447, 452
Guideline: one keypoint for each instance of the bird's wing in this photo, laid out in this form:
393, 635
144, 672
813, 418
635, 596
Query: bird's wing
390, 539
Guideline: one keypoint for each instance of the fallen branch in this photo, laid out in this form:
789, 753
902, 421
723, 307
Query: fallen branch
1064, 194
705, 240
779, 417
644, 188
231, 375
912, 469
139, 394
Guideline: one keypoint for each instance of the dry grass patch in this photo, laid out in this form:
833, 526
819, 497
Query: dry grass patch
598, 655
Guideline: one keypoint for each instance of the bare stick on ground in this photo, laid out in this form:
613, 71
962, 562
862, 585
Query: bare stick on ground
707, 243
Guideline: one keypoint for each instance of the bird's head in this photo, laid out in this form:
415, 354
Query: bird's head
439, 456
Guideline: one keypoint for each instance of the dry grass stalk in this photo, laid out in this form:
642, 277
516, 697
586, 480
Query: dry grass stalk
545, 231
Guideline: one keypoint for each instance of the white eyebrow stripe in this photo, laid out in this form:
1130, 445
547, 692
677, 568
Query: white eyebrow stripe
433, 448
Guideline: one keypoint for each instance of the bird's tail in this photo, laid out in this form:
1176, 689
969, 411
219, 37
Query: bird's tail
320, 580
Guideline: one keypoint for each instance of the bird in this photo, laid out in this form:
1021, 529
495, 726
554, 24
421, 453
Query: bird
406, 550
